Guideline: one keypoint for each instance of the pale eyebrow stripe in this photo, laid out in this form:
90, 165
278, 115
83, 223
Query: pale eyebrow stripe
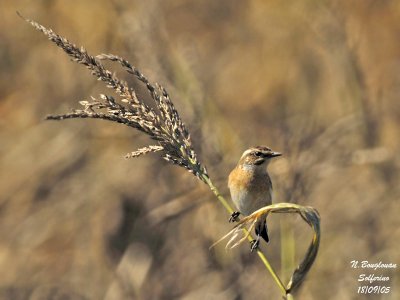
247, 152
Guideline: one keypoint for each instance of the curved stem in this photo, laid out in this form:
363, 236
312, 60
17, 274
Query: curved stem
260, 254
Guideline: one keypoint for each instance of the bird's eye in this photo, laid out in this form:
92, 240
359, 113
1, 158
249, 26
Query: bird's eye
258, 154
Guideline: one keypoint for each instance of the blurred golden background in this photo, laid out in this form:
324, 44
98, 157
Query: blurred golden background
316, 80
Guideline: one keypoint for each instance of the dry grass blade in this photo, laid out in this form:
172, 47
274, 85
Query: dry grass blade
309, 215
164, 124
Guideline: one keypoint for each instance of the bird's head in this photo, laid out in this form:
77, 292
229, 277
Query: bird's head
257, 156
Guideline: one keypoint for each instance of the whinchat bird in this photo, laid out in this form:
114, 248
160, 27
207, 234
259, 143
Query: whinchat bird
251, 187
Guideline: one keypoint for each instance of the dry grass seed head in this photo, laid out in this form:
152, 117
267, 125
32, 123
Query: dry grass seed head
163, 125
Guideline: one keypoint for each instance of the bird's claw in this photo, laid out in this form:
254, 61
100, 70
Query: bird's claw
254, 245
234, 217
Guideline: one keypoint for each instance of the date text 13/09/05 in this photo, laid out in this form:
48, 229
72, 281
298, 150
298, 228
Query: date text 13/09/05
377, 289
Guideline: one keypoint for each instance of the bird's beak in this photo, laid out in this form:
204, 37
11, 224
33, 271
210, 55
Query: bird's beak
275, 154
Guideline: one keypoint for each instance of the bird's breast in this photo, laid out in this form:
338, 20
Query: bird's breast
249, 190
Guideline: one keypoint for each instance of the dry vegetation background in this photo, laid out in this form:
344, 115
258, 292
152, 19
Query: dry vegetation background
316, 80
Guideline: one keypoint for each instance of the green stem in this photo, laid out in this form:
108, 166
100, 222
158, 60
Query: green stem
260, 254
271, 271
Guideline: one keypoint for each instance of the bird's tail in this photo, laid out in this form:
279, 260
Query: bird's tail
262, 230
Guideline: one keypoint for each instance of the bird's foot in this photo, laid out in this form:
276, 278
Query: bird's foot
234, 217
254, 245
